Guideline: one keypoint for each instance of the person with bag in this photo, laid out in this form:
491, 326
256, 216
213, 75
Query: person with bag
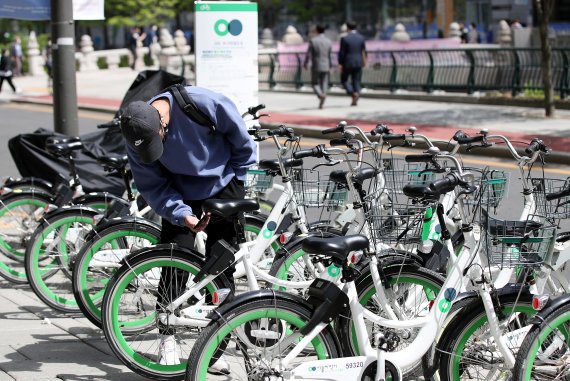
351, 59
185, 146
6, 72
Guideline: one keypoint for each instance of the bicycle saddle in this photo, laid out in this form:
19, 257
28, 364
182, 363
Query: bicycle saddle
229, 208
507, 228
63, 149
273, 164
113, 162
335, 247
419, 191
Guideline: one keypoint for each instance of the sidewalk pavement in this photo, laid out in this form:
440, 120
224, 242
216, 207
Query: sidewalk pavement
40, 344
104, 90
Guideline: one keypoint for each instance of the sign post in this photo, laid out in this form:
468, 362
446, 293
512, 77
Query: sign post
226, 50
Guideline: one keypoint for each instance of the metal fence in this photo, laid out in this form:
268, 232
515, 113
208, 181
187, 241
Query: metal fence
468, 70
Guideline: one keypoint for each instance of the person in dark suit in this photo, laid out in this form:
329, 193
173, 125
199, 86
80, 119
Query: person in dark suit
319, 53
351, 59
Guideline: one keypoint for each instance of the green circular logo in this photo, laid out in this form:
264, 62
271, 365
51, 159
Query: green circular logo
221, 27
333, 270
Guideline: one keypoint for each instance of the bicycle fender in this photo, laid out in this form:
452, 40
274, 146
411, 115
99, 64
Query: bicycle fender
252, 296
140, 222
550, 307
82, 199
165, 246
71, 209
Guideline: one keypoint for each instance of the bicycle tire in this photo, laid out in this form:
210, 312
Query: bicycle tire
552, 336
18, 224
90, 277
51, 253
289, 260
137, 280
282, 313
403, 282
453, 346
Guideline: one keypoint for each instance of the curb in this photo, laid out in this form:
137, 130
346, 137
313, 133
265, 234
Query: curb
495, 151
447, 98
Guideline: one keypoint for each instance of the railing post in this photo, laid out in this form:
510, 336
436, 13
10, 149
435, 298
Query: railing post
431, 73
471, 76
564, 90
394, 74
298, 82
516, 82
272, 59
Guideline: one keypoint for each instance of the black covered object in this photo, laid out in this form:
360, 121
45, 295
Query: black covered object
32, 159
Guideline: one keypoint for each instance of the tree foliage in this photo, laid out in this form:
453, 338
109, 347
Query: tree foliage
314, 10
142, 12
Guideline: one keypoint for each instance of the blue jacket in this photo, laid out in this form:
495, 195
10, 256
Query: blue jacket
195, 164
352, 48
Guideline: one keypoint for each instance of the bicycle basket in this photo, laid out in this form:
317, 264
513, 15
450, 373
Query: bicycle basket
393, 222
313, 189
493, 186
258, 180
398, 173
511, 244
554, 209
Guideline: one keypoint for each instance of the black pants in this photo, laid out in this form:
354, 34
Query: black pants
9, 80
173, 281
353, 85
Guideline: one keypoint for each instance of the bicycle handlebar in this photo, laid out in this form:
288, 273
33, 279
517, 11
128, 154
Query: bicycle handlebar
390, 137
446, 184
379, 130
422, 158
318, 151
281, 132
338, 142
557, 195
462, 138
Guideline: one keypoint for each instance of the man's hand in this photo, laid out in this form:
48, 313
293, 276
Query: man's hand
196, 225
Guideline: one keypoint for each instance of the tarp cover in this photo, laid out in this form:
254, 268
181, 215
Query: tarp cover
32, 159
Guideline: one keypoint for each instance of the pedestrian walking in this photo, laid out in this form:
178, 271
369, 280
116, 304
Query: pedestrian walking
319, 54
473, 35
135, 40
6, 72
177, 164
17, 57
351, 59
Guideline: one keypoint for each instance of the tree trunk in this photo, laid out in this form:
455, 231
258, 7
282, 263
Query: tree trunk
543, 11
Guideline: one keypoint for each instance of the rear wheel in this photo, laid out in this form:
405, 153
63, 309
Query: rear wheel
133, 302
253, 337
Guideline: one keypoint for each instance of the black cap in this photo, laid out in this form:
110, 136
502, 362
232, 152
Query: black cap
140, 124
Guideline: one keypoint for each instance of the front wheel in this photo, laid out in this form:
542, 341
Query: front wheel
251, 339
101, 256
51, 254
467, 349
134, 301
18, 211
545, 351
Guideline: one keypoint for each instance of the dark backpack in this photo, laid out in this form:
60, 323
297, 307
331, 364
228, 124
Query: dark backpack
186, 103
